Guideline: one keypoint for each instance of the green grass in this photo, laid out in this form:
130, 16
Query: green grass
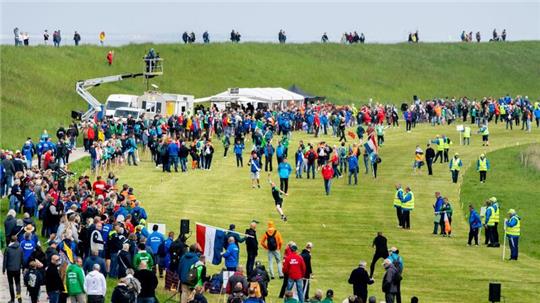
38, 83
342, 225
515, 186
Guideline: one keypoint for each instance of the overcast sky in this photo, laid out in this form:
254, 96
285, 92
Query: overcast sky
303, 21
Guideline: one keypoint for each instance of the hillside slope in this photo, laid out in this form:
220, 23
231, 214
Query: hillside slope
37, 83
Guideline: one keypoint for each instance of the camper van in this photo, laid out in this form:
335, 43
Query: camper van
165, 104
117, 101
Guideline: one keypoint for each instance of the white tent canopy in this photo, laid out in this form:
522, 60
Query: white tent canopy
266, 95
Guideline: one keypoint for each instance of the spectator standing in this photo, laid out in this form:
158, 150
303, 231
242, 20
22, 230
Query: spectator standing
430, 155
53, 281
328, 174
272, 242
76, 38
231, 255
389, 283
187, 260
95, 285
13, 261
252, 246
46, 37
475, 223
360, 280
306, 256
295, 269
149, 282
75, 282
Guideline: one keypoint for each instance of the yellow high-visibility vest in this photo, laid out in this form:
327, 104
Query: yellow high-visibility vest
409, 205
455, 164
514, 230
482, 164
491, 221
467, 132
496, 213
440, 144
397, 201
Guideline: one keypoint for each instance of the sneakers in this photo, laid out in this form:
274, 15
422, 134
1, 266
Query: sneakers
284, 218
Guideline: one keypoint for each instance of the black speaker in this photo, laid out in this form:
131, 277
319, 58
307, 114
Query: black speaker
494, 292
76, 115
184, 226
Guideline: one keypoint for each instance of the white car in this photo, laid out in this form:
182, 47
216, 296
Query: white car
122, 113
116, 101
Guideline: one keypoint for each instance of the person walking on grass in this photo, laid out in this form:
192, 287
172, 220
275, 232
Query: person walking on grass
475, 223
437, 206
149, 282
418, 159
482, 167
390, 281
360, 280
252, 246
446, 218
381, 251
352, 161
255, 168
308, 275
238, 150
272, 242
455, 166
328, 174
430, 155
278, 198
284, 171
13, 261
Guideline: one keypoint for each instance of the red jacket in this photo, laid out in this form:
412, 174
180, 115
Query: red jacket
327, 172
294, 266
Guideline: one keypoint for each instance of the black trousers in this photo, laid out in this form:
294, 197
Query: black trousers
483, 175
408, 125
496, 233
284, 184
14, 277
267, 163
473, 234
445, 153
406, 219
437, 155
455, 176
429, 166
376, 257
399, 215
250, 262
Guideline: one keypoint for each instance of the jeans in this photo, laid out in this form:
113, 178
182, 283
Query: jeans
131, 157
14, 277
327, 186
268, 162
173, 160
54, 296
271, 256
406, 219
284, 184
299, 288
353, 172
146, 300
250, 262
366, 163
311, 167
113, 273
429, 163
513, 242
183, 164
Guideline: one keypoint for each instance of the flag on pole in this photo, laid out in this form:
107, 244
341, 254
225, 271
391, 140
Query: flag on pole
371, 144
211, 241
351, 134
447, 227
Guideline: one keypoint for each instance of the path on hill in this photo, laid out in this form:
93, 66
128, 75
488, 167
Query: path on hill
76, 154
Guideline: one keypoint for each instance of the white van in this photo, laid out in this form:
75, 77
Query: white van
116, 101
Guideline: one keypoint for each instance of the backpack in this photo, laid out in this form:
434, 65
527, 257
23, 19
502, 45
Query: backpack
256, 287
216, 283
311, 156
193, 275
271, 241
127, 295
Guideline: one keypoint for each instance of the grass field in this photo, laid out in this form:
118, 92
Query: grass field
342, 225
515, 186
38, 83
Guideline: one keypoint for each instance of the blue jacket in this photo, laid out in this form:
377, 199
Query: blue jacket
396, 258
28, 247
438, 204
269, 150
172, 149
474, 219
141, 212
238, 148
231, 255
121, 211
488, 215
279, 151
353, 162
154, 240
30, 199
284, 170
186, 261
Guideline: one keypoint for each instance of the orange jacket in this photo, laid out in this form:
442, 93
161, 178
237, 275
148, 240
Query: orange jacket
270, 231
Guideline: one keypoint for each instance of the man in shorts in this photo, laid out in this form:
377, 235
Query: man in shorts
255, 168
278, 199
